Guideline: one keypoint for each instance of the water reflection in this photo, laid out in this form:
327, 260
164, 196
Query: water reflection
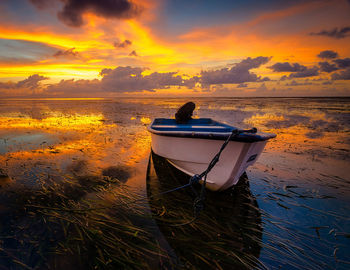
301, 181
228, 233
50, 142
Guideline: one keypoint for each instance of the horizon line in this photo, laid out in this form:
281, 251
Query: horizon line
143, 97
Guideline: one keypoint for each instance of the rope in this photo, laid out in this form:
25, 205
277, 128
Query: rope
199, 201
198, 204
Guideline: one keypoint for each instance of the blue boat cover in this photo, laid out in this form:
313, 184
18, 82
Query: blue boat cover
204, 128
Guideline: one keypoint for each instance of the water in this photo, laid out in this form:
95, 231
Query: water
67, 154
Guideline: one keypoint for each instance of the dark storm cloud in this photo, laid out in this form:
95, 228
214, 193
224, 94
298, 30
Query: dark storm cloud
123, 44
327, 67
66, 53
334, 33
328, 54
343, 75
239, 73
133, 53
287, 67
73, 10
31, 82
308, 72
342, 63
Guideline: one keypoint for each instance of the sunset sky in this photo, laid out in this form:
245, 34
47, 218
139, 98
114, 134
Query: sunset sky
110, 48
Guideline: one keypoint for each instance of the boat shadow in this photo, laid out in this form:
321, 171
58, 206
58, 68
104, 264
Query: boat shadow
226, 235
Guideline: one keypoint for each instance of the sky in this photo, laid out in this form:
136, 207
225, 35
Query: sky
151, 48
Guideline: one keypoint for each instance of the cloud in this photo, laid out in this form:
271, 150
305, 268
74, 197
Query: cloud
133, 53
287, 67
283, 78
308, 72
262, 87
74, 88
120, 79
7, 85
327, 67
295, 83
242, 85
343, 75
66, 53
265, 79
328, 54
239, 73
334, 33
131, 79
342, 63
32, 84
73, 10
191, 82
297, 70
123, 44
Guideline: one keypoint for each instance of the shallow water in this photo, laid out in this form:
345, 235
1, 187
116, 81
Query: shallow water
301, 183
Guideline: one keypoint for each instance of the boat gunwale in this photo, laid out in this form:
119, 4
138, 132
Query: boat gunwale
211, 135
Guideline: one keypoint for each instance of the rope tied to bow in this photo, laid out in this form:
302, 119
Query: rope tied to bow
199, 202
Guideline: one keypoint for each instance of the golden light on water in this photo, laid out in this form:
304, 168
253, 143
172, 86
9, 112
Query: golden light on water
145, 120
261, 119
58, 139
57, 121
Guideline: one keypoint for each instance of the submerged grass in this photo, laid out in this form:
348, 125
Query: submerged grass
97, 222
68, 225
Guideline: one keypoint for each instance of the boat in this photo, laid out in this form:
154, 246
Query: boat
191, 146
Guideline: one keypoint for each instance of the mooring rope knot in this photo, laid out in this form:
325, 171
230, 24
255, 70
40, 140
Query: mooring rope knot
194, 179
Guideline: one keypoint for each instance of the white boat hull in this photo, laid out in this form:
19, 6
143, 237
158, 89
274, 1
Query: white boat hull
193, 155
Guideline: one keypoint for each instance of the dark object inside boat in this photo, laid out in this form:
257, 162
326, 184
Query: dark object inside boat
184, 113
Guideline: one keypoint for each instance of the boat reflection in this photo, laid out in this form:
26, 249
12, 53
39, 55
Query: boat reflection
226, 235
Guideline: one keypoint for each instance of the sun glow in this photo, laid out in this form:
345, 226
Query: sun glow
155, 44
